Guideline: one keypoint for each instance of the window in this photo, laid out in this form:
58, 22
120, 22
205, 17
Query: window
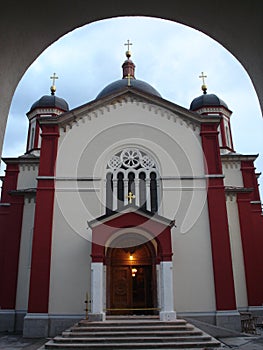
131, 170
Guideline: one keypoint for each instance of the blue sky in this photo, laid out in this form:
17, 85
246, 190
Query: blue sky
167, 55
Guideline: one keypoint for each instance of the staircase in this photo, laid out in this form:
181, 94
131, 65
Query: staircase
133, 333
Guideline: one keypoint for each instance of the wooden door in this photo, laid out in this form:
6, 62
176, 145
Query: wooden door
121, 289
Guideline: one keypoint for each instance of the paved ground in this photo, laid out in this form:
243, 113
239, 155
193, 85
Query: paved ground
17, 342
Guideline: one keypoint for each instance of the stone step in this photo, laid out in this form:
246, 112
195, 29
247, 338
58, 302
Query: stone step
133, 333
132, 328
138, 346
130, 322
159, 338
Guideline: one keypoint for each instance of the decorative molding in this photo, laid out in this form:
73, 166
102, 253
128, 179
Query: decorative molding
29, 166
84, 116
214, 110
89, 179
77, 190
45, 112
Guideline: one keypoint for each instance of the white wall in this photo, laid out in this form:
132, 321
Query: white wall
236, 252
24, 266
70, 265
84, 150
27, 176
233, 174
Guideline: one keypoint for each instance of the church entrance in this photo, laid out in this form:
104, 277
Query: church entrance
131, 280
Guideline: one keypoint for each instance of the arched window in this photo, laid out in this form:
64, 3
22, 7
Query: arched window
132, 170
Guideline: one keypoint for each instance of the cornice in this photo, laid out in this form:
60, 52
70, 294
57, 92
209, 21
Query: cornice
158, 105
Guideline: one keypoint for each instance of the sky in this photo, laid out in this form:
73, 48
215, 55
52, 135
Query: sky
167, 55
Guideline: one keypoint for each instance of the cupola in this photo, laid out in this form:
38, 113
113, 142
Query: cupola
48, 105
209, 105
128, 79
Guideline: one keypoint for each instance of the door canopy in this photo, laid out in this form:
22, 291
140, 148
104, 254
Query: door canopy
128, 228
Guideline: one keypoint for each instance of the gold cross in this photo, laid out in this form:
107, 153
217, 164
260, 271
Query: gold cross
202, 76
129, 79
54, 78
128, 44
130, 196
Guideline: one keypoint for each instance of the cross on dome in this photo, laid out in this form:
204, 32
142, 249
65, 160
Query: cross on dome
204, 87
53, 87
128, 52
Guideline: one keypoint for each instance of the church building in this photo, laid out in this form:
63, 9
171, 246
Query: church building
129, 205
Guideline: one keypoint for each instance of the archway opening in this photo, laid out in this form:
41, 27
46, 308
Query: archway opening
187, 53
131, 282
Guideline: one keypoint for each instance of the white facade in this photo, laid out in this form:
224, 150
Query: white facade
182, 149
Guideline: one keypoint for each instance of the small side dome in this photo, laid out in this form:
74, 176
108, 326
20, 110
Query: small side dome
207, 100
50, 101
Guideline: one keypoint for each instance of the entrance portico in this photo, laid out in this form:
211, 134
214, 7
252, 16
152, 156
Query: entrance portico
131, 268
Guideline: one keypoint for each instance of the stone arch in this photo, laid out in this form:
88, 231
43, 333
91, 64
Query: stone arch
23, 42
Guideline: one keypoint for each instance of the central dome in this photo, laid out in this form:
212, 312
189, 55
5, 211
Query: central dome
134, 83
128, 80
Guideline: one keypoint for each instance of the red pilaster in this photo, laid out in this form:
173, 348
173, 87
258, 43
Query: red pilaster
41, 251
250, 179
11, 213
252, 249
223, 132
251, 227
222, 262
36, 146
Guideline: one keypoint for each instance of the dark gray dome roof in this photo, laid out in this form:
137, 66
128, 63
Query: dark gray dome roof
51, 101
134, 83
207, 100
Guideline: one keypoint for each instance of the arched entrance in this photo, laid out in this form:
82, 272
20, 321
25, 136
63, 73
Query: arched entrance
147, 237
131, 287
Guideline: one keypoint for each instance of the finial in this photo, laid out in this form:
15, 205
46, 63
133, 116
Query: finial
53, 87
128, 52
204, 87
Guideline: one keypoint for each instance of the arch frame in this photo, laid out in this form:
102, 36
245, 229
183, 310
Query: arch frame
154, 228
23, 43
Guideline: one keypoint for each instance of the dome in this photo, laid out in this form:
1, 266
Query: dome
207, 100
134, 83
128, 80
50, 101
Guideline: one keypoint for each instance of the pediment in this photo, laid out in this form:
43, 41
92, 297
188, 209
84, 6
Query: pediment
127, 216
127, 95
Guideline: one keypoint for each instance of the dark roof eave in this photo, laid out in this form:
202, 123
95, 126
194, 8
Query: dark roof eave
130, 209
92, 105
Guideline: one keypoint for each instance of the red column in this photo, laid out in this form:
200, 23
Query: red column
41, 250
11, 214
221, 253
251, 227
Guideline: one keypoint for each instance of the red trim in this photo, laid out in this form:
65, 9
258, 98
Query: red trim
251, 227
28, 137
10, 182
41, 251
160, 232
230, 133
10, 223
223, 133
36, 146
250, 178
221, 252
